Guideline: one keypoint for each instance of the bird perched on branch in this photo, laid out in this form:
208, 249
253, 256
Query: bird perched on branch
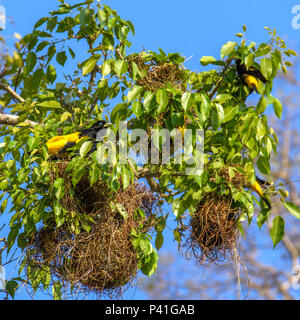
58, 145
258, 189
249, 76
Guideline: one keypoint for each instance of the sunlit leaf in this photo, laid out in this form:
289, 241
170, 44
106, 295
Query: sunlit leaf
277, 230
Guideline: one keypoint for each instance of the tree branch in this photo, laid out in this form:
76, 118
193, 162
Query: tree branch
12, 92
11, 119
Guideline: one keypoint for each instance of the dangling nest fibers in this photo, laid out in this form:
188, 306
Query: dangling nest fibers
214, 230
213, 226
103, 260
156, 75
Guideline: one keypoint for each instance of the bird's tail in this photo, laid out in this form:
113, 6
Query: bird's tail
254, 87
267, 202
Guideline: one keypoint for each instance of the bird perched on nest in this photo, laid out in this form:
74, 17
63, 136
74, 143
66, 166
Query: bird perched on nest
258, 189
249, 76
58, 145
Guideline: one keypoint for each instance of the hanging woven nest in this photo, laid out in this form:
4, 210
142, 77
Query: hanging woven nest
156, 75
103, 260
213, 229
213, 226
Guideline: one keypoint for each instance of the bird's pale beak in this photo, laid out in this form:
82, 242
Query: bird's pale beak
107, 125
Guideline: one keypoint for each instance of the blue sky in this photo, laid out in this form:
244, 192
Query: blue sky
194, 28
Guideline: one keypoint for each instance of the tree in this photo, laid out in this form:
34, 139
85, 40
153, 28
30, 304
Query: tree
152, 91
259, 272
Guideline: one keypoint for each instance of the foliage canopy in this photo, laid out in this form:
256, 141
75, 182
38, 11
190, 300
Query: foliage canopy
73, 69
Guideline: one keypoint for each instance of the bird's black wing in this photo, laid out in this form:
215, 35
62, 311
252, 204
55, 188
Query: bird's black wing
262, 182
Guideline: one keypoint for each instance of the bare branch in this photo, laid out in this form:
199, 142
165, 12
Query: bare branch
11, 119
12, 92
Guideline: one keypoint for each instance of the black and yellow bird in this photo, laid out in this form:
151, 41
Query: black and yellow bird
249, 76
257, 187
58, 145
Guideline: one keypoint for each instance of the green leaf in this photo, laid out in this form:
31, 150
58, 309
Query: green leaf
36, 79
150, 264
106, 68
266, 67
61, 57
230, 113
205, 106
227, 48
186, 100
125, 177
249, 60
277, 230
263, 165
137, 108
51, 73
217, 116
220, 111
262, 50
292, 208
11, 287
134, 93
277, 108
30, 61
40, 22
93, 173
177, 236
221, 98
122, 210
205, 60
262, 105
147, 100
102, 18
56, 290
51, 52
162, 100
177, 207
13, 233
50, 104
262, 218
159, 240
90, 64
66, 115
58, 185
123, 33
52, 22
72, 53
85, 148
41, 46
3, 206
59, 218
119, 112
85, 16
120, 67
131, 26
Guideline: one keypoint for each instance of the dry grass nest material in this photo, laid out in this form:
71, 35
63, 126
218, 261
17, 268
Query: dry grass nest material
156, 75
213, 226
103, 260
